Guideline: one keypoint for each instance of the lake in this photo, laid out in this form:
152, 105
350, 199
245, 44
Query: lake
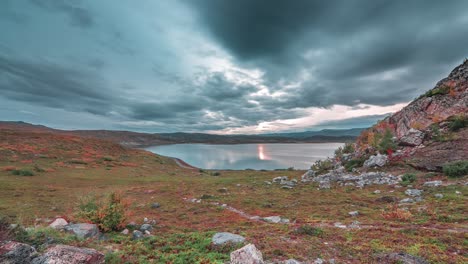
248, 156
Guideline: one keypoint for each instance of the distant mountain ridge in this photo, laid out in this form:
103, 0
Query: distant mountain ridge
137, 139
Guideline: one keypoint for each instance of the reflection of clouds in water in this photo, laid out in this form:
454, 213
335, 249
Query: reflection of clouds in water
254, 156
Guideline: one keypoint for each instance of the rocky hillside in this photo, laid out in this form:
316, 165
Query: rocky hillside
429, 132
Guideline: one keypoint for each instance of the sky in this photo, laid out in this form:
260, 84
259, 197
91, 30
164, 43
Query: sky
218, 66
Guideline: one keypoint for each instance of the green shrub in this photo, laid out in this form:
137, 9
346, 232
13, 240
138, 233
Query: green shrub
408, 178
440, 90
22, 172
458, 122
348, 148
386, 143
309, 230
322, 166
456, 169
109, 214
354, 163
216, 173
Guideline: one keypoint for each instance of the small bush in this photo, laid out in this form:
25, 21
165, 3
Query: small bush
216, 173
108, 158
309, 230
456, 169
22, 172
458, 122
395, 213
408, 178
348, 148
5, 231
109, 215
440, 90
322, 166
386, 144
354, 163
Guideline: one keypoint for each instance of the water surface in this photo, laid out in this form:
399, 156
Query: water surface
249, 156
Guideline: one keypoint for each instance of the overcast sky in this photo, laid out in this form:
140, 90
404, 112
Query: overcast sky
219, 66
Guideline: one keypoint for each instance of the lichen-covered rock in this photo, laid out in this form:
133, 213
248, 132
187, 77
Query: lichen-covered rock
276, 219
412, 138
61, 254
16, 253
83, 230
432, 183
58, 223
403, 258
308, 176
226, 238
248, 254
378, 160
413, 192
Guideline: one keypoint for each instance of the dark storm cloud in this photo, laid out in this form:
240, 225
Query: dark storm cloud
78, 15
48, 84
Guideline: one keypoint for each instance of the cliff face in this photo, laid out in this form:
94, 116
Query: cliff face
430, 131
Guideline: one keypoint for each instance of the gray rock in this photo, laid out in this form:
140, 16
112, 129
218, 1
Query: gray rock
17, 253
288, 183
324, 185
354, 213
413, 192
377, 191
223, 190
308, 176
407, 200
146, 227
248, 254
276, 220
83, 230
355, 225
413, 138
62, 254
125, 232
403, 258
319, 261
376, 161
137, 235
58, 223
438, 195
267, 182
339, 225
287, 187
225, 238
369, 178
433, 183
155, 205
280, 178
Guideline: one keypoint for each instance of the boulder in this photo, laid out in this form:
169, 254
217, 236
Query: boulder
403, 258
83, 230
17, 253
61, 254
58, 223
248, 254
376, 161
280, 178
146, 227
227, 238
413, 192
432, 183
412, 138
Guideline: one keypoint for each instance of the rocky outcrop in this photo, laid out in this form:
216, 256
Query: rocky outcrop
19, 253
342, 178
413, 138
247, 255
376, 161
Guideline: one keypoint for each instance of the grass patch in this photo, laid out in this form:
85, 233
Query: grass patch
309, 230
408, 178
22, 172
456, 169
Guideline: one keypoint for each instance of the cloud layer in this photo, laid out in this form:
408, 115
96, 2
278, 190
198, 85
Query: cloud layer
222, 66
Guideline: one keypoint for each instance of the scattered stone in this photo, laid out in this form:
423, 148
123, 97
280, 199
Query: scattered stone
457, 192
368, 178
145, 220
62, 254
407, 200
147, 232
58, 223
376, 161
413, 192
433, 183
267, 182
280, 179
319, 261
83, 230
286, 187
132, 225
339, 225
438, 195
276, 219
125, 232
225, 238
387, 199
137, 235
403, 258
355, 225
17, 253
354, 213
412, 138
146, 227
288, 183
155, 205
248, 254
377, 192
